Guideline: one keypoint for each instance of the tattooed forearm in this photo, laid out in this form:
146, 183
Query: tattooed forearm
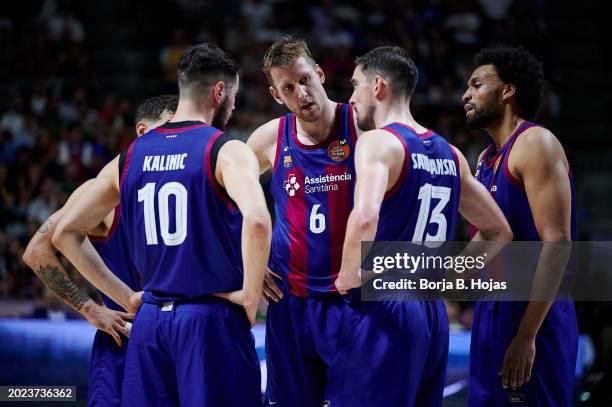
62, 286
44, 228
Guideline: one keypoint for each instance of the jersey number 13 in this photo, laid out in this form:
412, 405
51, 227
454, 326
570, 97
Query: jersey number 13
428, 192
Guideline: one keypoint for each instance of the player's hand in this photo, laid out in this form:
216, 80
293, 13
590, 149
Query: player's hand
347, 280
271, 290
518, 361
108, 320
239, 297
135, 301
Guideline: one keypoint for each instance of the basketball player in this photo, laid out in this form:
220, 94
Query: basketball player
410, 185
521, 353
180, 188
310, 153
107, 358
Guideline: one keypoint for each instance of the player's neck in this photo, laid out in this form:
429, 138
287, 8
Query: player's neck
400, 113
188, 110
318, 130
502, 129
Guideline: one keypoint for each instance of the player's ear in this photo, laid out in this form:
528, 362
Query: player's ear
276, 96
141, 128
509, 90
320, 73
219, 91
380, 87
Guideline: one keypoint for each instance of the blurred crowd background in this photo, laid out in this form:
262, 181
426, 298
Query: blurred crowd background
72, 73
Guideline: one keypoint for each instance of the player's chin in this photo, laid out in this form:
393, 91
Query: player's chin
365, 125
309, 115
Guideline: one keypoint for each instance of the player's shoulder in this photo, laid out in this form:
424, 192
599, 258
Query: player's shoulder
537, 141
538, 149
538, 135
380, 140
266, 133
376, 135
456, 151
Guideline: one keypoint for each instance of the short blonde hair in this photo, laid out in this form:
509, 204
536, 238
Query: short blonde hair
284, 52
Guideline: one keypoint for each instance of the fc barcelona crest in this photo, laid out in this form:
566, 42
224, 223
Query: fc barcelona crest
338, 150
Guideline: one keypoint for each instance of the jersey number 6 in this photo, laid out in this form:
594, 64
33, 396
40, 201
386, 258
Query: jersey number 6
317, 220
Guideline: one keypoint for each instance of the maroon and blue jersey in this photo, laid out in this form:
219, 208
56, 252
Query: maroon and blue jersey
312, 186
509, 193
423, 203
421, 206
184, 231
496, 322
113, 249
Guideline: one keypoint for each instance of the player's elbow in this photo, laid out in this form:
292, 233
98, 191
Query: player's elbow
30, 255
33, 252
500, 231
59, 237
505, 233
258, 224
366, 218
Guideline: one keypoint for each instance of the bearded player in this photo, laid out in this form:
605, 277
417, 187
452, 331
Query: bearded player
410, 185
108, 353
521, 353
310, 153
198, 227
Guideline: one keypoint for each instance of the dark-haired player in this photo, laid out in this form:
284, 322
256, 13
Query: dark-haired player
186, 191
107, 358
532, 346
410, 185
310, 152
154, 112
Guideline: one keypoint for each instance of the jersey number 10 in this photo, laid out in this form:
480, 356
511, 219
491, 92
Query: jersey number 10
147, 195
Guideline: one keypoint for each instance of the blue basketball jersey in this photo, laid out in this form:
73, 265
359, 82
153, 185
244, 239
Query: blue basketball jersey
312, 186
113, 249
423, 203
496, 322
184, 231
421, 206
508, 192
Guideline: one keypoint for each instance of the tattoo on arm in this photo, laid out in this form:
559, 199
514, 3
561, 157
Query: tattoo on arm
44, 228
62, 286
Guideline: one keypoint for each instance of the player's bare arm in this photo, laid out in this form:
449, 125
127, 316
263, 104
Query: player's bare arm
378, 159
538, 160
263, 143
237, 171
41, 257
70, 237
